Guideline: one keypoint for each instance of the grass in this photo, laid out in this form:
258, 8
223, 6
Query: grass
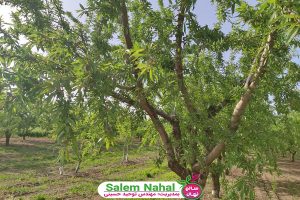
83, 189
18, 157
29, 171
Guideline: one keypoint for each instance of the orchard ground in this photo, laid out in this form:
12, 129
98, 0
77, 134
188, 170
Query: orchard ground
29, 170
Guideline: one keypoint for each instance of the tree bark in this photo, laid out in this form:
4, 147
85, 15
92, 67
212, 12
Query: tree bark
259, 65
173, 163
178, 62
125, 153
227, 171
215, 176
77, 166
7, 139
202, 181
24, 133
293, 156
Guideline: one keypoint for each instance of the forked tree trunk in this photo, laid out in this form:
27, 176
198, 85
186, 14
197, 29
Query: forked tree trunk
23, 137
203, 174
143, 102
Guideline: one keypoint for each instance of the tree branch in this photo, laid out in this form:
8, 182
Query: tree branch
124, 99
145, 105
125, 24
133, 103
178, 61
172, 162
172, 119
169, 118
245, 99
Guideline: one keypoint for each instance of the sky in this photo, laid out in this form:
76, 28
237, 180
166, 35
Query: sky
204, 10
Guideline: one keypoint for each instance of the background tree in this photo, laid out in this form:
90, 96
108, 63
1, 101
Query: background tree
288, 126
9, 99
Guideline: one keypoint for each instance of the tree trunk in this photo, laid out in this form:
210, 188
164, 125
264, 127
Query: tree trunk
241, 106
78, 166
293, 156
125, 153
7, 138
227, 171
216, 184
61, 170
24, 133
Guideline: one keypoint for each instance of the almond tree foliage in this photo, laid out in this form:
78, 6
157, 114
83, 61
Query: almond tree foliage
167, 69
18, 113
289, 124
9, 101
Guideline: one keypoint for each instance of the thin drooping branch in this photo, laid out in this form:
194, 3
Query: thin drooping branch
259, 67
145, 105
178, 61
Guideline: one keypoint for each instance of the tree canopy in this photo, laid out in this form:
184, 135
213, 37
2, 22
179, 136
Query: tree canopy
128, 61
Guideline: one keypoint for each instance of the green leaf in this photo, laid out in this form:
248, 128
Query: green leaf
81, 6
291, 33
151, 74
188, 178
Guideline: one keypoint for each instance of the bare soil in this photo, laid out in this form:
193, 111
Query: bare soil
41, 176
283, 187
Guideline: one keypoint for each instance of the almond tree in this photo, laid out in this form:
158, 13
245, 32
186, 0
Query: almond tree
9, 99
208, 112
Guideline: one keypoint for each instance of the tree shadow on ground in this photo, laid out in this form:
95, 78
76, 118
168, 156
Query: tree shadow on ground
289, 182
30, 155
289, 187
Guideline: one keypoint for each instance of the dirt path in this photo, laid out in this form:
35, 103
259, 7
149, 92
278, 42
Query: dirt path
283, 187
